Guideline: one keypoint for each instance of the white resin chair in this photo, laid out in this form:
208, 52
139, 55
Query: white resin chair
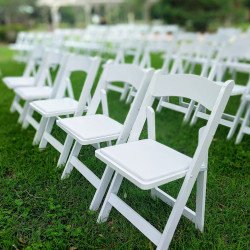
23, 46
179, 63
149, 164
59, 104
96, 128
229, 120
131, 48
245, 126
43, 88
232, 121
30, 72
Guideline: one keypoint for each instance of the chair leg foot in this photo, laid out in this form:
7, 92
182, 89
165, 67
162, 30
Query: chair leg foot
40, 130
101, 190
66, 150
69, 167
106, 207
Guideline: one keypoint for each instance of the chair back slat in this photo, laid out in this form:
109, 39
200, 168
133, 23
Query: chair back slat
127, 73
200, 89
139, 78
50, 60
78, 63
33, 61
188, 86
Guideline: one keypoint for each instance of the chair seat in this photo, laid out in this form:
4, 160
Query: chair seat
146, 163
18, 81
33, 93
90, 129
238, 89
55, 107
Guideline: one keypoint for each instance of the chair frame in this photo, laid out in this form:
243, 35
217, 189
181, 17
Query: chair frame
197, 170
134, 50
178, 68
43, 77
74, 63
112, 73
245, 126
227, 120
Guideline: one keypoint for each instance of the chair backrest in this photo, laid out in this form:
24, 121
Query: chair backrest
50, 60
212, 95
131, 74
81, 63
131, 48
33, 61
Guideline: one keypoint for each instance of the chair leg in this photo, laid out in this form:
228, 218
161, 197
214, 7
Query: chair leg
201, 200
40, 130
106, 207
30, 112
69, 167
125, 92
66, 150
48, 128
159, 106
189, 111
24, 112
153, 194
195, 117
129, 98
96, 145
177, 211
130, 95
15, 100
244, 124
236, 120
101, 190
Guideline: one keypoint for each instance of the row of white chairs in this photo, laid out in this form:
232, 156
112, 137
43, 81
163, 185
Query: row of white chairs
227, 52
227, 59
215, 64
184, 57
146, 163
113, 38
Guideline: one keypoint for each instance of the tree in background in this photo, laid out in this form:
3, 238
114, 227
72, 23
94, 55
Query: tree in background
247, 4
16, 11
17, 15
197, 15
201, 15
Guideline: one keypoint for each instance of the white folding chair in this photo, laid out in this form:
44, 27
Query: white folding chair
149, 164
171, 64
181, 62
60, 105
96, 128
43, 87
245, 126
239, 90
133, 49
30, 72
23, 46
209, 68
228, 120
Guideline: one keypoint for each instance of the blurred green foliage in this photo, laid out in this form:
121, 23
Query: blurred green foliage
194, 15
8, 32
202, 15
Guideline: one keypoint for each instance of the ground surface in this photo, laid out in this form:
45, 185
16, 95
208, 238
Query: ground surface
39, 211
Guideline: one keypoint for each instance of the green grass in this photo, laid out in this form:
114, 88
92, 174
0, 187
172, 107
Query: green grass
39, 211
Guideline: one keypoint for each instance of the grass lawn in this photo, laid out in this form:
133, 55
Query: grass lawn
39, 211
